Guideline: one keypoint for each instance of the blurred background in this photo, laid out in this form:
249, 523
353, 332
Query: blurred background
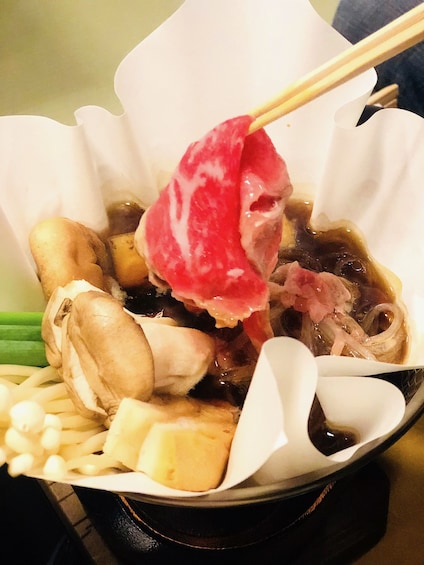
58, 56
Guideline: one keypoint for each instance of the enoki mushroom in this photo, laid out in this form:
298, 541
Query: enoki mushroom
41, 433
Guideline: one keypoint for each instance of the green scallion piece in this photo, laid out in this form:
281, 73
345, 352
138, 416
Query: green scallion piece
21, 318
20, 333
20, 339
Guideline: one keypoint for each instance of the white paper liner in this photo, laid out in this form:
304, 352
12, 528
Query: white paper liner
189, 75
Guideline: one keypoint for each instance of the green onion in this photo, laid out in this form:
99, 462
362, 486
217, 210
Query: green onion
21, 318
20, 339
20, 333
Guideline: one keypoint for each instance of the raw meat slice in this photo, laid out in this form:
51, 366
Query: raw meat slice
213, 234
317, 294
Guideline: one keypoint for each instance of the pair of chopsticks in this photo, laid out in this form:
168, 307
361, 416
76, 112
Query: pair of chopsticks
392, 39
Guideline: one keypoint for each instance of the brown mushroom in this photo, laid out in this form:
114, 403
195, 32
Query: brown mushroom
65, 250
105, 356
58, 307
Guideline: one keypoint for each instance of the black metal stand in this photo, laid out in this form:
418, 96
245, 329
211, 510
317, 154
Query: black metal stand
334, 526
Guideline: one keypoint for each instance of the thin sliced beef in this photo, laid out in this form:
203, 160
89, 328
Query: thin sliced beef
213, 234
309, 292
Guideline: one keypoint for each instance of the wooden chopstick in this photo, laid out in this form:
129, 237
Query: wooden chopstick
386, 97
392, 39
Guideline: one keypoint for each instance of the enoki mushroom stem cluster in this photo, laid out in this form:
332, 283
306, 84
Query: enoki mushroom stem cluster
41, 433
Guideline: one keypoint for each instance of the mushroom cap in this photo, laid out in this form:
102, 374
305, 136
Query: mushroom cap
106, 346
65, 250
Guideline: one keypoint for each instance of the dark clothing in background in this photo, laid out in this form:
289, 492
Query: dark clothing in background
355, 19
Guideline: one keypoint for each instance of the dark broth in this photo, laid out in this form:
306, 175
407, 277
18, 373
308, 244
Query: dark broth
338, 250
